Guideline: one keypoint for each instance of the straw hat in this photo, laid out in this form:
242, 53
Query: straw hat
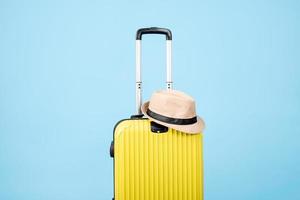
173, 109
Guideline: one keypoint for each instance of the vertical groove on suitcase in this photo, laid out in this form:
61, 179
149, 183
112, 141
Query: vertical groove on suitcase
151, 166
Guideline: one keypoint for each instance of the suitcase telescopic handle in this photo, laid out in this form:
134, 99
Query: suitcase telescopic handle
154, 30
139, 33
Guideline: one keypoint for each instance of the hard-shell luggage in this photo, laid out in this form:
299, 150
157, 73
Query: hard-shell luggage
151, 161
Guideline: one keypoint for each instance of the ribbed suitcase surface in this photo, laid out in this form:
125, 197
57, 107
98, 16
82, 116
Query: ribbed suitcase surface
156, 166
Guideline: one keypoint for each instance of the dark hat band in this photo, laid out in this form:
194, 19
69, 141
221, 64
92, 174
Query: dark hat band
171, 120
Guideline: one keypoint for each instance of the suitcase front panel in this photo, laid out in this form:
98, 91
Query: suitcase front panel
156, 166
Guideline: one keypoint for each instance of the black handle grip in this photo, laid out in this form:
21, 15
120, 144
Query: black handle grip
154, 30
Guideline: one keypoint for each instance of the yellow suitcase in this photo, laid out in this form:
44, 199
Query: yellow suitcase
153, 162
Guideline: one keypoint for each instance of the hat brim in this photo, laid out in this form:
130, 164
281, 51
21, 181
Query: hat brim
195, 128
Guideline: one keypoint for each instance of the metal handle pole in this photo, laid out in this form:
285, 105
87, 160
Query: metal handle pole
138, 77
138, 83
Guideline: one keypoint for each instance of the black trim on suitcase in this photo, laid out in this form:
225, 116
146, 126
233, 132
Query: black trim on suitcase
158, 128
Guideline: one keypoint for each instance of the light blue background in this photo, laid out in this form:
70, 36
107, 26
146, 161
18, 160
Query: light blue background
67, 76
